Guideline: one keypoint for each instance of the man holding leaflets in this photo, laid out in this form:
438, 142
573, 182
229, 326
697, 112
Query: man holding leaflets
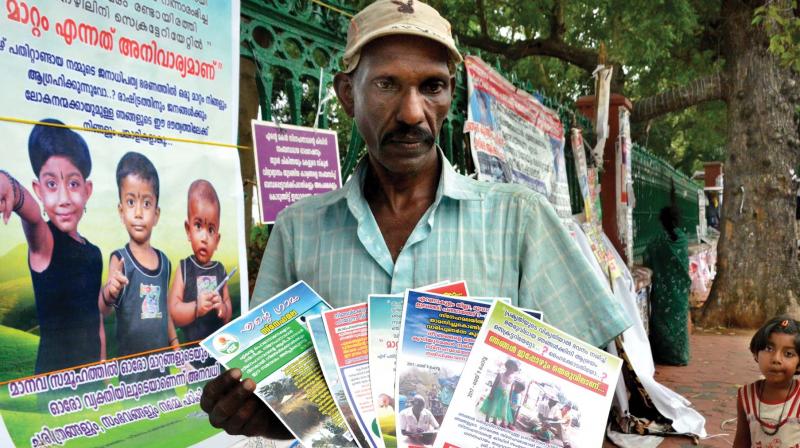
406, 217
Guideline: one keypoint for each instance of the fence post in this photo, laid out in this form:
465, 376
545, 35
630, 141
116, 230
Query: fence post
610, 184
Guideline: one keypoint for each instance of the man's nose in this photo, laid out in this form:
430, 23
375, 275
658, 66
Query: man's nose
412, 108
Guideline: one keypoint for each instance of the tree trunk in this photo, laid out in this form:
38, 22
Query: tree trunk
757, 269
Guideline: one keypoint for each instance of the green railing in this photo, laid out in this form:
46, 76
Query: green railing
291, 40
652, 180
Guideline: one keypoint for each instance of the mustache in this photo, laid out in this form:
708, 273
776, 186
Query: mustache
409, 133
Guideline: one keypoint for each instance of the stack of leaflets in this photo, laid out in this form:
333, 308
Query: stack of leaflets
433, 367
271, 344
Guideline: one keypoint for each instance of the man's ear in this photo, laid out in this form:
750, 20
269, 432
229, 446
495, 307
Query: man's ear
343, 85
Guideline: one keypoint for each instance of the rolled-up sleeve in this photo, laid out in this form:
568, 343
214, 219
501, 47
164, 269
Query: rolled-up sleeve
556, 279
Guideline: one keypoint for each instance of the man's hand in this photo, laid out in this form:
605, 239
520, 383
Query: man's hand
231, 405
207, 301
116, 280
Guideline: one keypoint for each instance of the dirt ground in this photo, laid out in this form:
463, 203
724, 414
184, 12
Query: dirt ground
720, 364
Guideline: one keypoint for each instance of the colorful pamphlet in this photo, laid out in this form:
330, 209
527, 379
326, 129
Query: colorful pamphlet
326, 362
436, 335
347, 334
272, 345
536, 314
384, 313
528, 384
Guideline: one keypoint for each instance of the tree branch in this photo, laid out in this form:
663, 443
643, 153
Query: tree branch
581, 57
482, 18
557, 25
700, 90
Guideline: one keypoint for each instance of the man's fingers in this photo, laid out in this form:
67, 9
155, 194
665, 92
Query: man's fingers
243, 415
227, 406
215, 389
262, 419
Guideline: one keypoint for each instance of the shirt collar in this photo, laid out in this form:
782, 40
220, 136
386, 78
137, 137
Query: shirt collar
451, 184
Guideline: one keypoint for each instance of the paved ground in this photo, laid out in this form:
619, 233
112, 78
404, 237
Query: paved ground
720, 363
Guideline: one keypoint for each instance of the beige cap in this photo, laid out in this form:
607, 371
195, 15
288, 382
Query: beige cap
389, 17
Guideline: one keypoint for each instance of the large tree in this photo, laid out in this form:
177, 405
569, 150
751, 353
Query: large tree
702, 74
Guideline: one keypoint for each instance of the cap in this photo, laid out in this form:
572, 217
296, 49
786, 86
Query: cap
390, 17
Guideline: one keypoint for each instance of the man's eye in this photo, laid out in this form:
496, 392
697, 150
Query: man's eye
212, 230
384, 84
147, 204
129, 202
51, 184
433, 88
197, 226
74, 184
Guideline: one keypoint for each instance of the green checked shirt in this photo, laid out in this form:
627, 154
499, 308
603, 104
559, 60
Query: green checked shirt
504, 240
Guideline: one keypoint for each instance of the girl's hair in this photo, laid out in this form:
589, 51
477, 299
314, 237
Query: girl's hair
510, 363
778, 324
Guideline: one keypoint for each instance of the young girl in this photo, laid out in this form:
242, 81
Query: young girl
768, 409
65, 267
495, 405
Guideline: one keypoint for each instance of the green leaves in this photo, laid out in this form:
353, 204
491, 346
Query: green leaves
783, 28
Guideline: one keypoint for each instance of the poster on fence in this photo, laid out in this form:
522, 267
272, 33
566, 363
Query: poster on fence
122, 239
514, 137
293, 162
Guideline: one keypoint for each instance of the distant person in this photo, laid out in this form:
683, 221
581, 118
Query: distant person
66, 269
767, 409
668, 257
712, 211
199, 302
138, 274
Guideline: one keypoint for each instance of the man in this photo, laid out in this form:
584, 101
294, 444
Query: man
406, 218
416, 422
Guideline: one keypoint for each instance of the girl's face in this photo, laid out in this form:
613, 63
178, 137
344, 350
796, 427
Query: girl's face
63, 192
778, 361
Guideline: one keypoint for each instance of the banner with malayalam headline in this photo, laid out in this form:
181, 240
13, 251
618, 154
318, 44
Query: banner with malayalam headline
514, 137
123, 245
293, 162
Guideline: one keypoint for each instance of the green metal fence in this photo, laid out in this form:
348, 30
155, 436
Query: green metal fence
652, 180
291, 40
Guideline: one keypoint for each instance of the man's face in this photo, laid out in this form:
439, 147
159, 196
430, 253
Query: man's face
399, 95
